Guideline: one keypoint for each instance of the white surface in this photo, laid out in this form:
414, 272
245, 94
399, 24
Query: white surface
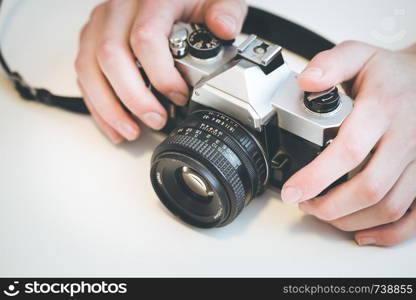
71, 204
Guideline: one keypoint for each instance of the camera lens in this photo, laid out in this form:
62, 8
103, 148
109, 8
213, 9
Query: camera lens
208, 169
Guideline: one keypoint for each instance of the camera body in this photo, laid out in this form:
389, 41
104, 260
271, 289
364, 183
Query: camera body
247, 126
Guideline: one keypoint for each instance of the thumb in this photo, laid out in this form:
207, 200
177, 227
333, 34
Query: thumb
225, 17
335, 66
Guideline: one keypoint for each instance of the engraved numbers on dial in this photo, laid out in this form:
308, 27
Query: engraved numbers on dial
221, 120
203, 44
211, 136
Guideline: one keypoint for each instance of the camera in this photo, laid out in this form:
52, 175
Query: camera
247, 126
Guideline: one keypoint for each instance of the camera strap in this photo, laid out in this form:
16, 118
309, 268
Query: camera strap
287, 34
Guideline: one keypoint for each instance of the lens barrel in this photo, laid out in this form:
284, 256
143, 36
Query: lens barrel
208, 169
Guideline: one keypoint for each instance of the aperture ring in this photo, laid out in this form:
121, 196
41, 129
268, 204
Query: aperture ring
246, 144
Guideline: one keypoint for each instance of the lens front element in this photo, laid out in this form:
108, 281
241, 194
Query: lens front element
196, 183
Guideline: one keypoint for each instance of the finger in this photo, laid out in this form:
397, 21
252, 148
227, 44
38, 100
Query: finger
372, 111
347, 151
95, 84
113, 135
149, 42
118, 64
335, 66
390, 234
225, 17
369, 186
390, 209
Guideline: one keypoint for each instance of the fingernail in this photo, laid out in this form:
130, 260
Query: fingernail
153, 120
228, 22
367, 240
178, 98
127, 130
314, 73
291, 195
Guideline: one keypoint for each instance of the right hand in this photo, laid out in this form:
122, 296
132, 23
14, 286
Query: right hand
120, 31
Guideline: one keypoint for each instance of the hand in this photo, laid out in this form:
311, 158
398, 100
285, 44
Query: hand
121, 30
374, 203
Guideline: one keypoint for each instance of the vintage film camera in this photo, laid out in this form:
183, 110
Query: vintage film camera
247, 126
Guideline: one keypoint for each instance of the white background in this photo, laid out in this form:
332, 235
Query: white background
72, 204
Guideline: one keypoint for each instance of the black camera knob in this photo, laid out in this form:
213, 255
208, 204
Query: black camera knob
322, 102
203, 44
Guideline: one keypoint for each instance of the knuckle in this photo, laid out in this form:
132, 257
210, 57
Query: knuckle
108, 48
96, 12
371, 190
141, 34
393, 211
321, 56
353, 151
81, 63
326, 214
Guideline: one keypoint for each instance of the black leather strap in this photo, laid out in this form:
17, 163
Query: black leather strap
285, 33
266, 25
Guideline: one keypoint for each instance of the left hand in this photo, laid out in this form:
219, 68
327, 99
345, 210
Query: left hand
376, 203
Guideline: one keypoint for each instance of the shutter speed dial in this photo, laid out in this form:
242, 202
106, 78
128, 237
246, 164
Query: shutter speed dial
202, 44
